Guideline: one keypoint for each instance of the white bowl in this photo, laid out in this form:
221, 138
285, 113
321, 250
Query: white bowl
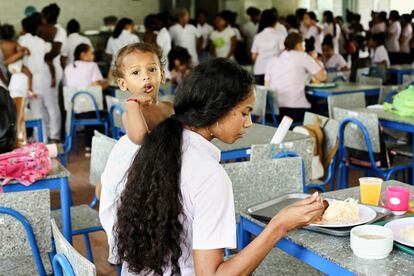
371, 241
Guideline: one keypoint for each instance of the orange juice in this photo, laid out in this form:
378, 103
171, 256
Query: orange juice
370, 190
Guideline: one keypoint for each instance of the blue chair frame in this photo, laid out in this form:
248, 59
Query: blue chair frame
85, 122
389, 97
36, 123
373, 170
61, 263
30, 236
116, 131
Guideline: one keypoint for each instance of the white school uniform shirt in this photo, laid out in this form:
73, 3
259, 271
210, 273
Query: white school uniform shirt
282, 29
115, 44
205, 30
62, 38
335, 62
266, 44
393, 35
380, 27
407, 33
379, 55
82, 73
328, 29
35, 61
287, 74
250, 30
75, 39
163, 40
313, 31
186, 37
222, 41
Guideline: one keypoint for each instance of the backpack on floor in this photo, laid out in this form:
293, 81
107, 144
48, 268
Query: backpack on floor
26, 164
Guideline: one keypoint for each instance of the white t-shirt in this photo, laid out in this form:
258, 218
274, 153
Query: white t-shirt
407, 33
287, 75
62, 38
313, 31
380, 27
82, 73
115, 44
35, 61
74, 40
336, 62
393, 35
164, 41
205, 30
379, 55
186, 37
328, 29
222, 41
282, 29
267, 44
249, 30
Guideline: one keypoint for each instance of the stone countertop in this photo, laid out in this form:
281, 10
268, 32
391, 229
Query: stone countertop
388, 116
257, 135
338, 250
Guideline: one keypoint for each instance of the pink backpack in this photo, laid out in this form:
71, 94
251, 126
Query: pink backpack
26, 164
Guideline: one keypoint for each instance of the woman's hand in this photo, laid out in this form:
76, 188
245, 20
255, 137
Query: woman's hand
299, 214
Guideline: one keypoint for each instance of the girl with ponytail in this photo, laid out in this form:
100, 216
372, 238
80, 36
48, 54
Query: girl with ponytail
176, 214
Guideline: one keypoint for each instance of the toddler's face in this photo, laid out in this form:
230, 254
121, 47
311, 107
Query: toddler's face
141, 74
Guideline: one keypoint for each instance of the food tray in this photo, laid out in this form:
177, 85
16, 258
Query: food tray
266, 210
322, 85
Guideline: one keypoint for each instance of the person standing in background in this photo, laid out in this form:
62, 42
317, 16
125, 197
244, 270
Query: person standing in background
331, 28
250, 28
186, 35
405, 38
312, 31
205, 29
74, 39
223, 38
163, 40
392, 37
379, 23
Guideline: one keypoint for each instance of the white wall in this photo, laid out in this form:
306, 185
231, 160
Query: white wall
88, 12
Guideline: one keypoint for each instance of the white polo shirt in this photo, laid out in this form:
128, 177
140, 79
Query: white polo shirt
115, 44
222, 41
74, 39
393, 35
407, 33
328, 29
205, 30
82, 73
313, 31
61, 37
379, 55
336, 62
266, 44
186, 37
206, 190
380, 27
163, 40
287, 75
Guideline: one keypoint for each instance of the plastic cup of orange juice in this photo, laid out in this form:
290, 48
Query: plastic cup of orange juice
370, 190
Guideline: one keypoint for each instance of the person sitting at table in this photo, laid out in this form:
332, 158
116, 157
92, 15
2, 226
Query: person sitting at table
379, 54
287, 75
189, 216
179, 64
332, 61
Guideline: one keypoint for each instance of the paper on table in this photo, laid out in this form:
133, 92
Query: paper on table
282, 130
376, 106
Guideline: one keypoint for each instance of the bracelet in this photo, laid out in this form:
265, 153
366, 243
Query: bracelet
133, 100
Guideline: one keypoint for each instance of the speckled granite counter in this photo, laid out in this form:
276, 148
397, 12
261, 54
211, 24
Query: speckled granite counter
256, 135
338, 250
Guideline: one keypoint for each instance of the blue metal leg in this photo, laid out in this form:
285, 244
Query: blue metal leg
40, 131
243, 237
66, 202
88, 247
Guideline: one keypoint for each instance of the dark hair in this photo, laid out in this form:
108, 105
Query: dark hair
8, 127
328, 41
268, 19
405, 19
111, 19
150, 22
120, 26
81, 48
135, 47
310, 44
394, 15
178, 53
300, 13
51, 13
202, 11
291, 40
150, 216
252, 11
292, 21
73, 26
382, 16
379, 38
328, 15
30, 25
229, 16
7, 31
312, 16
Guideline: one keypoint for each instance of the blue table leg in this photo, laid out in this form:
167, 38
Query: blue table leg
66, 202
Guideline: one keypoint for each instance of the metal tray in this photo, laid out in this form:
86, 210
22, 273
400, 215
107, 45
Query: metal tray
266, 210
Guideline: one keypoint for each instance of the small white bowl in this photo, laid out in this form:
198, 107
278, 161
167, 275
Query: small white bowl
371, 241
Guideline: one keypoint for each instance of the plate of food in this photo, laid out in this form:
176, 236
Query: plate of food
344, 213
403, 230
322, 85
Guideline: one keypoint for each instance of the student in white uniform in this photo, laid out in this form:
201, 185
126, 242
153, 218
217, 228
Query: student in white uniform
405, 38
176, 214
288, 73
379, 54
332, 29
186, 35
223, 38
292, 24
312, 31
267, 43
392, 37
380, 23
333, 62
163, 40
205, 30
121, 36
74, 39
249, 29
